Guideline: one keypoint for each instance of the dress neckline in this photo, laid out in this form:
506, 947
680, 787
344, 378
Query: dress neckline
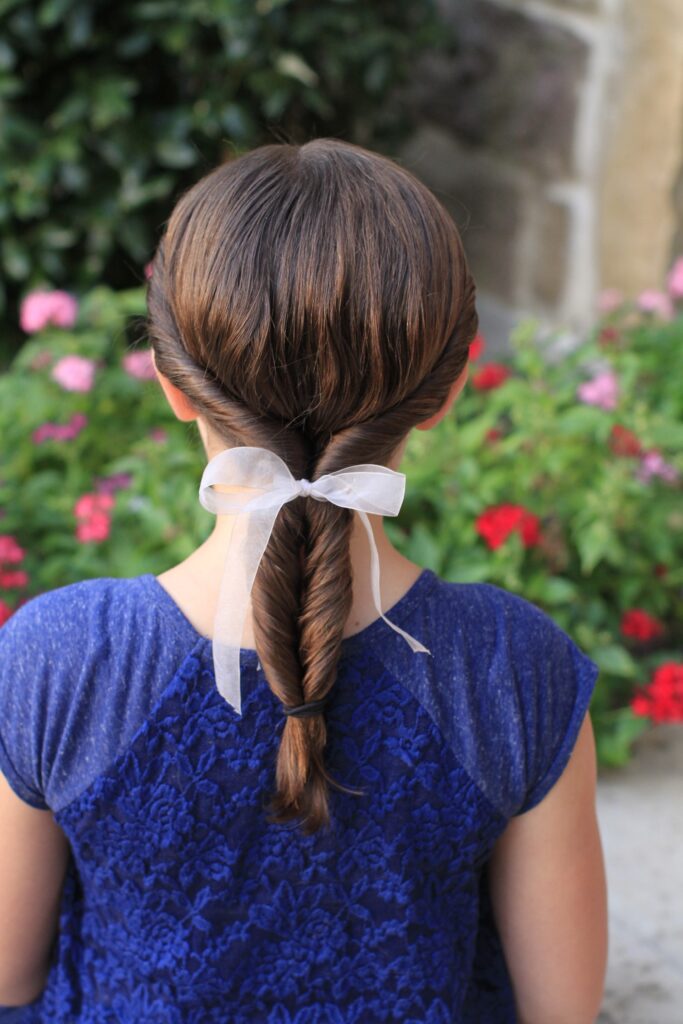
399, 613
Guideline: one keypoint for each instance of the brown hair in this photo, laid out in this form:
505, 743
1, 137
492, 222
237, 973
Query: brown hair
314, 300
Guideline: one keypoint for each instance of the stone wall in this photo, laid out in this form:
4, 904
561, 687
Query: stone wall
555, 138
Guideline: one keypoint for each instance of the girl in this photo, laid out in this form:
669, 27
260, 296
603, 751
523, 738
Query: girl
266, 801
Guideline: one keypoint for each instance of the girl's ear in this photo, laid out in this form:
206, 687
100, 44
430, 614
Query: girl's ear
176, 399
456, 387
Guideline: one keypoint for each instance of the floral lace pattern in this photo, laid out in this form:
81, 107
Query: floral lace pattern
183, 905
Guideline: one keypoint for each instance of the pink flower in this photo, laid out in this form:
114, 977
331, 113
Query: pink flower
40, 308
653, 301
10, 552
675, 279
97, 527
602, 391
113, 483
653, 464
92, 511
92, 504
78, 421
60, 432
158, 434
42, 433
74, 373
609, 300
5, 613
139, 364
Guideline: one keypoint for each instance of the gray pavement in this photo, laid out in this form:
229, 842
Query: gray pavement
640, 810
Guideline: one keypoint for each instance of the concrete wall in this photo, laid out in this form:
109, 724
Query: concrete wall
555, 137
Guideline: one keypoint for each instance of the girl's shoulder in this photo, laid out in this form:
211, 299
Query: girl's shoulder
67, 609
507, 687
80, 666
72, 618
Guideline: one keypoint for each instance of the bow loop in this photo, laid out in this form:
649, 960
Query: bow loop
258, 484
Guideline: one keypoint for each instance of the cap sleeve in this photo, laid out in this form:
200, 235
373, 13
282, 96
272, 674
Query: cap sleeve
23, 678
555, 681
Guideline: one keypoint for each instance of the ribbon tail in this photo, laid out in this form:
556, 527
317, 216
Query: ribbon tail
248, 540
414, 644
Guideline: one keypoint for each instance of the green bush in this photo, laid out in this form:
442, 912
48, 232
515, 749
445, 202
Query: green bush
591, 525
599, 490
110, 110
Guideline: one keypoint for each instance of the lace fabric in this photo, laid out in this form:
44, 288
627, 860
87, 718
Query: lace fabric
183, 905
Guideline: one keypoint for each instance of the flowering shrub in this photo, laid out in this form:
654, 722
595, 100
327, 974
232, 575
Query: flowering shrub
82, 422
556, 476
559, 476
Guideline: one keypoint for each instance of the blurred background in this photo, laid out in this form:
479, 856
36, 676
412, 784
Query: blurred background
552, 130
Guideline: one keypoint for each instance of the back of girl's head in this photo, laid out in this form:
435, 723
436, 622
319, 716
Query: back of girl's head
314, 300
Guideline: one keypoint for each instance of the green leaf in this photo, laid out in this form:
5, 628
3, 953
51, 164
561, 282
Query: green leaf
593, 543
556, 590
461, 570
424, 547
52, 12
15, 259
111, 101
7, 56
176, 153
57, 237
615, 732
293, 66
615, 660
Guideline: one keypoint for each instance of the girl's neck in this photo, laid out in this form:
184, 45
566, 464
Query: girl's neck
194, 583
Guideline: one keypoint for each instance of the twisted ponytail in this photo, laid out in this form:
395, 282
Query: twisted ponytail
314, 300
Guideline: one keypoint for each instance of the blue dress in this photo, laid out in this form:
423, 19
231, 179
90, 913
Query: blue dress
183, 905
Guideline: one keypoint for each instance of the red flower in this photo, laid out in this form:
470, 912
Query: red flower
608, 336
497, 523
624, 442
493, 435
638, 624
91, 504
96, 527
18, 578
662, 699
10, 551
92, 512
5, 612
490, 376
477, 346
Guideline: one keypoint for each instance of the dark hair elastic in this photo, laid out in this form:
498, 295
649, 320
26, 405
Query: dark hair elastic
307, 710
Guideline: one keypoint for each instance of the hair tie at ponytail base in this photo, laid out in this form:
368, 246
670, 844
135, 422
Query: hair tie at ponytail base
307, 710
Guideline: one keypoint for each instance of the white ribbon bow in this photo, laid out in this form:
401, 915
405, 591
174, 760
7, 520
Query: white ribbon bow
365, 488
